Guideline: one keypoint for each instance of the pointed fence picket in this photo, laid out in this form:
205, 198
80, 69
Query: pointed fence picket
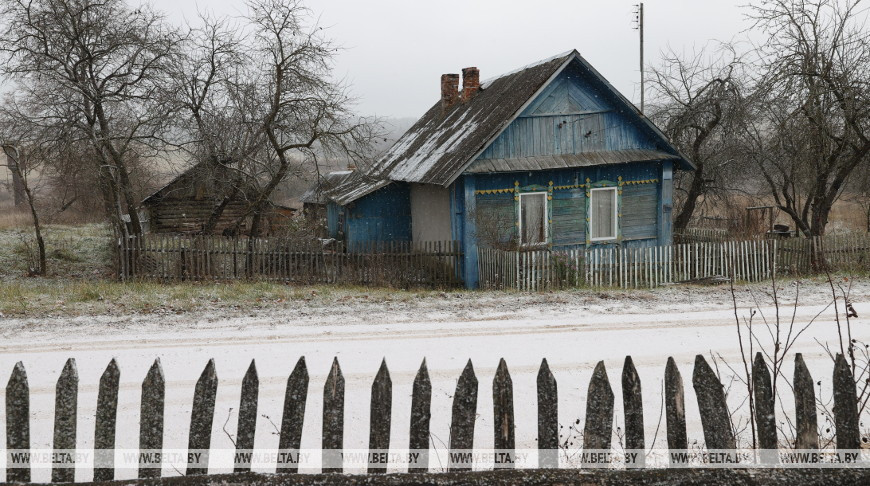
712, 407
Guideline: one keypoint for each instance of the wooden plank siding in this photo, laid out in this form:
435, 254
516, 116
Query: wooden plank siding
571, 116
639, 211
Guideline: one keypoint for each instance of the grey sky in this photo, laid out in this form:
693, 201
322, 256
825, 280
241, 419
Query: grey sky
396, 50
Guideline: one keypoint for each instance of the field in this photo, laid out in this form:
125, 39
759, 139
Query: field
87, 317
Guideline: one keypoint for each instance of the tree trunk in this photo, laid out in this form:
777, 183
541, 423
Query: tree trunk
681, 222
15, 165
18, 192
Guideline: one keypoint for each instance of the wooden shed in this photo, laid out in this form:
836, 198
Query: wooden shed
186, 203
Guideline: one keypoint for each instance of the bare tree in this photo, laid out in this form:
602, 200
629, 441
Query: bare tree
808, 123
259, 105
22, 165
697, 101
94, 67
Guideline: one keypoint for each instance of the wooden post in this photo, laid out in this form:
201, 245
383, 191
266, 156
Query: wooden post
846, 418
247, 423
151, 422
632, 401
379, 420
675, 414
421, 413
548, 418
201, 418
598, 429
806, 420
333, 420
503, 417
105, 423
715, 419
765, 413
293, 417
65, 406
18, 424
462, 422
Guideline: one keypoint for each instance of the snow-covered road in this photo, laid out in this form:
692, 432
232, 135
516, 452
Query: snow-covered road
573, 341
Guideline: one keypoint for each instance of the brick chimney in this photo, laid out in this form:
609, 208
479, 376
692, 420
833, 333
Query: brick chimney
470, 82
449, 90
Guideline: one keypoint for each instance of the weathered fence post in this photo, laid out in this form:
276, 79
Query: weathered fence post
421, 413
548, 418
845, 407
65, 406
201, 418
18, 426
379, 420
765, 414
503, 417
462, 421
807, 431
246, 428
105, 423
293, 418
715, 418
333, 420
632, 402
675, 414
151, 422
598, 429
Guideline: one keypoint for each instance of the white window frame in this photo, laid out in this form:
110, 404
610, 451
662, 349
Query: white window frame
546, 223
593, 214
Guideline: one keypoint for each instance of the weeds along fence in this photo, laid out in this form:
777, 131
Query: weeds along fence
719, 435
628, 268
398, 264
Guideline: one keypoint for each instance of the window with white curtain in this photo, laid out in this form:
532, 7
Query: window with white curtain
533, 218
602, 214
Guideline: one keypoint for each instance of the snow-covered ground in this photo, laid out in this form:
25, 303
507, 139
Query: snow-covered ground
572, 330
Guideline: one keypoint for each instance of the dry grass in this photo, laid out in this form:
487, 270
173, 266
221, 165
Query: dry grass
52, 297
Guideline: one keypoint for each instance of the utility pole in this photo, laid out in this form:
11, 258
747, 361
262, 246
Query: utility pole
639, 27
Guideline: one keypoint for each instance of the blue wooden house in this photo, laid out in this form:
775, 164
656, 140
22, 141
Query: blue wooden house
547, 156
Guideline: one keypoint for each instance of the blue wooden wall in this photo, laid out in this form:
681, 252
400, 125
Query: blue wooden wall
641, 203
574, 114
384, 215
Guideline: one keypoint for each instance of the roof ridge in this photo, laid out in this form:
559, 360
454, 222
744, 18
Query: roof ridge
527, 66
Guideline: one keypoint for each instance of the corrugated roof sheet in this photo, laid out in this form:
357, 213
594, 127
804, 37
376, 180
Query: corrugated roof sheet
442, 142
542, 162
354, 187
316, 194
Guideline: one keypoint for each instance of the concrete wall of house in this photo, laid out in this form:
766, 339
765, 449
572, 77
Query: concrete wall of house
430, 213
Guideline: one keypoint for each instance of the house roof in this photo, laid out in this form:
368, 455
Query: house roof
443, 144
584, 159
315, 195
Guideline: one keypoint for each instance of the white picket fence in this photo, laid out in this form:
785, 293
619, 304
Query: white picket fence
627, 268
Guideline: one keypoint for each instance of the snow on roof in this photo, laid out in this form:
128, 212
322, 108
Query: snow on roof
442, 143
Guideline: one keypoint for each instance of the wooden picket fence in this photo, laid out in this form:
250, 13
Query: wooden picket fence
631, 268
626, 268
207, 257
597, 433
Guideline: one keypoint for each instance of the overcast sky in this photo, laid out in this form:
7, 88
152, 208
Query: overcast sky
396, 50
